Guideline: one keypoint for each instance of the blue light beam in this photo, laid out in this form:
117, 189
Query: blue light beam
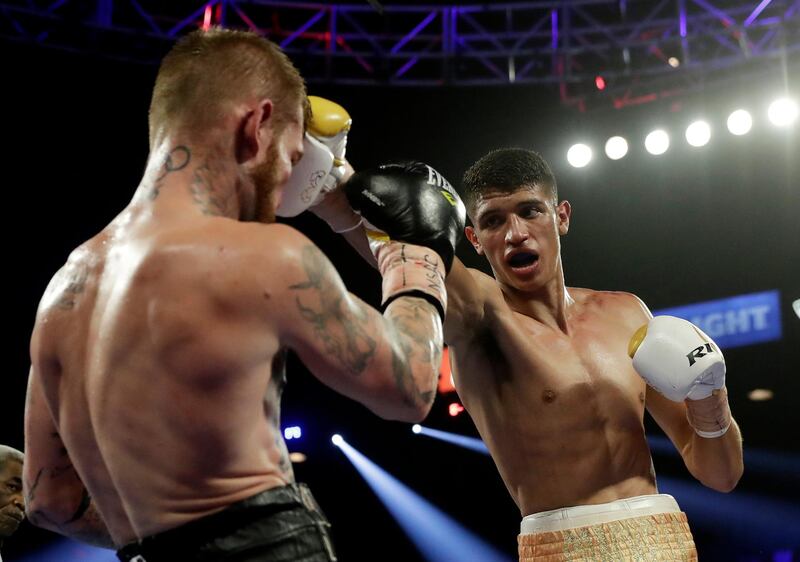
756, 460
69, 549
437, 536
471, 443
746, 518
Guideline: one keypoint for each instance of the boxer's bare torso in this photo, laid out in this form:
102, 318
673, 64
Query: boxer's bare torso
543, 370
560, 411
157, 359
165, 395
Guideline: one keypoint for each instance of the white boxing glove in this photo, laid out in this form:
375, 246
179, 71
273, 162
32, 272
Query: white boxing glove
681, 362
309, 178
677, 359
330, 124
322, 166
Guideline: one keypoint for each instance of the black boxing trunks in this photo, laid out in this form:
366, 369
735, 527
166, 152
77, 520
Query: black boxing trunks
279, 524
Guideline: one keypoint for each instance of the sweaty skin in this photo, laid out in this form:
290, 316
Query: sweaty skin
158, 353
560, 413
543, 369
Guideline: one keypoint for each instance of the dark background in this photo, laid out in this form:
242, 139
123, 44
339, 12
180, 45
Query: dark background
689, 226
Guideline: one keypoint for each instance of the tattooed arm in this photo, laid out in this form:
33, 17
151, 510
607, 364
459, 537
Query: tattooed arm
55, 497
389, 363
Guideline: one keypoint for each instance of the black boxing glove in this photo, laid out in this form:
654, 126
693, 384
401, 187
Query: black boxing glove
410, 202
413, 219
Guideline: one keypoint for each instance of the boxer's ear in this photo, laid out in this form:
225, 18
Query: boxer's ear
472, 236
255, 130
563, 213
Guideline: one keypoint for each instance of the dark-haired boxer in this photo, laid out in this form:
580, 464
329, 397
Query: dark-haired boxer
544, 371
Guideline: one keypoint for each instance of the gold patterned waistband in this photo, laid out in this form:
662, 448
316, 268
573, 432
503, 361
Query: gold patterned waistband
663, 536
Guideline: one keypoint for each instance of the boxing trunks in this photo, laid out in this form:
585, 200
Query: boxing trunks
279, 524
648, 527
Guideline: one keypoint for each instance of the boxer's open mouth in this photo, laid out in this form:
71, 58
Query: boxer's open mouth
522, 259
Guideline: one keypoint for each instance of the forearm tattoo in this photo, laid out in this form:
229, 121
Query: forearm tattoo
412, 323
86, 501
85, 522
343, 330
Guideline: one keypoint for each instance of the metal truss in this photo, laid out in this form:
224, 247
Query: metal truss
637, 47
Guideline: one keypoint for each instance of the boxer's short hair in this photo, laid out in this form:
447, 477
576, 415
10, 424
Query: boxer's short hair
207, 72
507, 170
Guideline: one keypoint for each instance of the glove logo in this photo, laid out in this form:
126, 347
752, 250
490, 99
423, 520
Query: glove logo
312, 188
372, 197
699, 352
449, 197
437, 180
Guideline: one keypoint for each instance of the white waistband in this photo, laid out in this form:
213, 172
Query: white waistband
582, 515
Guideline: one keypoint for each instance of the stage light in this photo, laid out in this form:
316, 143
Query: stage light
292, 432
455, 408
600, 82
445, 374
579, 155
416, 428
616, 148
796, 307
297, 457
698, 133
674, 62
337, 440
657, 142
207, 18
782, 112
760, 394
740, 122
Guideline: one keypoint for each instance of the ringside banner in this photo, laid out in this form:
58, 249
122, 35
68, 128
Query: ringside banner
735, 321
